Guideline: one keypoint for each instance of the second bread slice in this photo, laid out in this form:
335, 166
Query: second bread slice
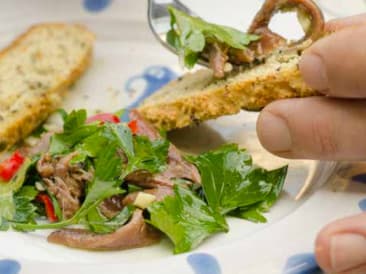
35, 71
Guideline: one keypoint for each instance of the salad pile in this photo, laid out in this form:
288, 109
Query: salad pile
103, 184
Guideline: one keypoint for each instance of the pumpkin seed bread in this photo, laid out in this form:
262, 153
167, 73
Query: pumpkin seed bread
198, 96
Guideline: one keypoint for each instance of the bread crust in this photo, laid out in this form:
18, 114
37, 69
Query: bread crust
37, 106
252, 89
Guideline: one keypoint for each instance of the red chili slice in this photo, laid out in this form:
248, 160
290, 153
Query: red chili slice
104, 117
133, 126
10, 166
50, 210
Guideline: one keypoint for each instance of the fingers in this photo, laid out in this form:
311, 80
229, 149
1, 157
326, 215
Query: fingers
341, 246
336, 64
338, 24
314, 128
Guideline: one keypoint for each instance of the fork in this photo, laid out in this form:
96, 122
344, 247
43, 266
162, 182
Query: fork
159, 21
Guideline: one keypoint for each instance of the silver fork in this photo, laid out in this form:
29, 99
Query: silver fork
159, 20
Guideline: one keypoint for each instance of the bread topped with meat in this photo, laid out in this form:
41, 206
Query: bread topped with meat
250, 75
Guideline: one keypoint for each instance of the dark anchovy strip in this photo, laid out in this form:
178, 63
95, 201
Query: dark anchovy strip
136, 233
219, 54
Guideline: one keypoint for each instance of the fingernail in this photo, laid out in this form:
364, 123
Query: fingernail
347, 251
274, 133
314, 72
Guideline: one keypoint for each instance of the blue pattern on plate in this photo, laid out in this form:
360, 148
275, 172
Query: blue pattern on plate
203, 263
361, 178
362, 204
154, 77
302, 264
9, 267
96, 5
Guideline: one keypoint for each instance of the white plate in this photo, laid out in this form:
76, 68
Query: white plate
128, 65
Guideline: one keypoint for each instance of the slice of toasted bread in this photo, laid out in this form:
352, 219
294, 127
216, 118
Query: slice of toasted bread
35, 71
199, 96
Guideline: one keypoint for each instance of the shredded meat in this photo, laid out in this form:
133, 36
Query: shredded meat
134, 234
111, 206
269, 41
161, 192
65, 181
217, 57
177, 166
238, 57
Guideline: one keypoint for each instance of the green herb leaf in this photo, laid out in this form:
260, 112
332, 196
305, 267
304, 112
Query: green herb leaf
173, 39
7, 190
25, 211
252, 213
18, 207
190, 59
148, 155
277, 178
230, 181
56, 206
75, 130
62, 113
189, 35
92, 145
38, 131
196, 41
7, 208
74, 120
27, 192
133, 188
17, 181
186, 219
100, 224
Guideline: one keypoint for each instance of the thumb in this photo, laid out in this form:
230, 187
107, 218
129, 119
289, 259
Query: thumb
314, 128
338, 24
336, 64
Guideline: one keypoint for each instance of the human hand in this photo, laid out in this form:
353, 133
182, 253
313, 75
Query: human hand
332, 127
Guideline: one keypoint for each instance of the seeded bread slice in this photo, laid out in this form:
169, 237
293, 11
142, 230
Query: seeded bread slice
35, 71
199, 96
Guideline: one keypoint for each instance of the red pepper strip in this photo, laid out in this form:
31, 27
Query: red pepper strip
104, 117
10, 166
133, 126
50, 210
